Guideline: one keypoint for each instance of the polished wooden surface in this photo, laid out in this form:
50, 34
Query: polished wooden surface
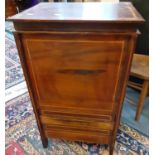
75, 17
81, 12
77, 68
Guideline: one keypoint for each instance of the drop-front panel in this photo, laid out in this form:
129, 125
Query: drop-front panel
76, 67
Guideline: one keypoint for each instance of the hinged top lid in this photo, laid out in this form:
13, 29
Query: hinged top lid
123, 12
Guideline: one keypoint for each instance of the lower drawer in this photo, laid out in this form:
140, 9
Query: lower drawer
75, 135
77, 128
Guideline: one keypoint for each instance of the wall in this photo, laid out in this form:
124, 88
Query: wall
142, 6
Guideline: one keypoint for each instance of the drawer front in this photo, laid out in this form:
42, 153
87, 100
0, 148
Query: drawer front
76, 123
74, 71
77, 128
75, 135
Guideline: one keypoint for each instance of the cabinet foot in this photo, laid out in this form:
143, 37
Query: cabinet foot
45, 142
111, 152
111, 149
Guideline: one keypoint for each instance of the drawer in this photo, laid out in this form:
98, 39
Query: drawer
67, 113
77, 128
76, 135
76, 123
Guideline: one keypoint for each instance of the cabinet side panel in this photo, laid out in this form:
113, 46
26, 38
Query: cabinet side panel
129, 48
21, 53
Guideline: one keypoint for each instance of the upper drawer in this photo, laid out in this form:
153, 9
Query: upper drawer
79, 70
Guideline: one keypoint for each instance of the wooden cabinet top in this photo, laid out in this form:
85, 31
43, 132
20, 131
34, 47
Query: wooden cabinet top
123, 12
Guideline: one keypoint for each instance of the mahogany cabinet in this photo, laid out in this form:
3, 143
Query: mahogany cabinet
76, 59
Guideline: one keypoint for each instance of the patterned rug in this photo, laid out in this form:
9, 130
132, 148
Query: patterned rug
22, 135
13, 71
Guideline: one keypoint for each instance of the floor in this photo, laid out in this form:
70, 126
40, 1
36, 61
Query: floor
129, 111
